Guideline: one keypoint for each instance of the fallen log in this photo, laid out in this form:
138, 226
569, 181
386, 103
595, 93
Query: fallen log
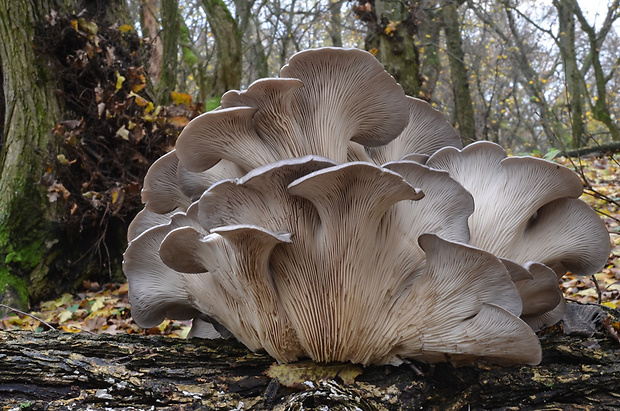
54, 370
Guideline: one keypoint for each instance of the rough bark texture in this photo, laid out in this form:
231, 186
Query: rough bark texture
459, 74
170, 47
392, 26
228, 51
150, 30
38, 254
31, 111
54, 370
574, 81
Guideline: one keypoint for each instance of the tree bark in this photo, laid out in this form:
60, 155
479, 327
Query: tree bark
170, 41
36, 250
392, 26
55, 370
334, 30
464, 107
228, 51
600, 108
574, 82
32, 110
150, 30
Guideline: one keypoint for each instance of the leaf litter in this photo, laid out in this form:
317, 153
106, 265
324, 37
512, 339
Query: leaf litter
106, 309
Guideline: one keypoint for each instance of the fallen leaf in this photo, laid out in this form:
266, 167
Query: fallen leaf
296, 374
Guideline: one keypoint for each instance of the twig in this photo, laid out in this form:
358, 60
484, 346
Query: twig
29, 315
598, 290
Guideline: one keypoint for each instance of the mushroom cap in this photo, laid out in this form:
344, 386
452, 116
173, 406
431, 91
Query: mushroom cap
543, 301
324, 99
474, 316
333, 287
527, 208
156, 291
427, 131
161, 192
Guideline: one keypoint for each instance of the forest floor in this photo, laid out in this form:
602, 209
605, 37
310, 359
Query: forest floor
106, 309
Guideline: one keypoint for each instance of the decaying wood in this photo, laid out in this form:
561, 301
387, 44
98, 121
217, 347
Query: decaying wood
54, 370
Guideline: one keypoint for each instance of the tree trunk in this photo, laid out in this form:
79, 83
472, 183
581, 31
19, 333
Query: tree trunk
429, 33
574, 82
459, 73
32, 110
228, 47
55, 370
334, 30
170, 58
36, 250
150, 30
600, 108
392, 26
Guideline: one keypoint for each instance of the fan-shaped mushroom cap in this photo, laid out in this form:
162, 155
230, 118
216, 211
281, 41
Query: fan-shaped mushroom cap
445, 208
325, 98
223, 134
156, 291
336, 288
237, 258
298, 254
474, 316
427, 131
260, 197
161, 192
527, 208
144, 220
543, 301
169, 186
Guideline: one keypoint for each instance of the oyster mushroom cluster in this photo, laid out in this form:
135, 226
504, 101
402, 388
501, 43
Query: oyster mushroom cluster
325, 214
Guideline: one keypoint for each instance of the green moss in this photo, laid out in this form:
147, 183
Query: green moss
23, 245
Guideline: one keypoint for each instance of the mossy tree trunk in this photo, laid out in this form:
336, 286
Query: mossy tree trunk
574, 82
35, 249
32, 110
392, 27
600, 107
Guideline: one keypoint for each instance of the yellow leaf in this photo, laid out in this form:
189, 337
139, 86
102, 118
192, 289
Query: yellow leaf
391, 28
181, 98
74, 24
296, 374
70, 328
141, 101
88, 26
178, 121
64, 316
125, 28
119, 81
97, 305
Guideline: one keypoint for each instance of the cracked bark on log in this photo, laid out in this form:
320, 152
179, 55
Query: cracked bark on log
54, 370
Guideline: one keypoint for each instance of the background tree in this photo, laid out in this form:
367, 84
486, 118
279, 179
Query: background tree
459, 73
35, 247
392, 26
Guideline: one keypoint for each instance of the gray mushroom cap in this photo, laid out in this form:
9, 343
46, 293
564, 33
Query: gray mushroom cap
527, 209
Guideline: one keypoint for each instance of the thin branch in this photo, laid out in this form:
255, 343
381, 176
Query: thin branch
29, 315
